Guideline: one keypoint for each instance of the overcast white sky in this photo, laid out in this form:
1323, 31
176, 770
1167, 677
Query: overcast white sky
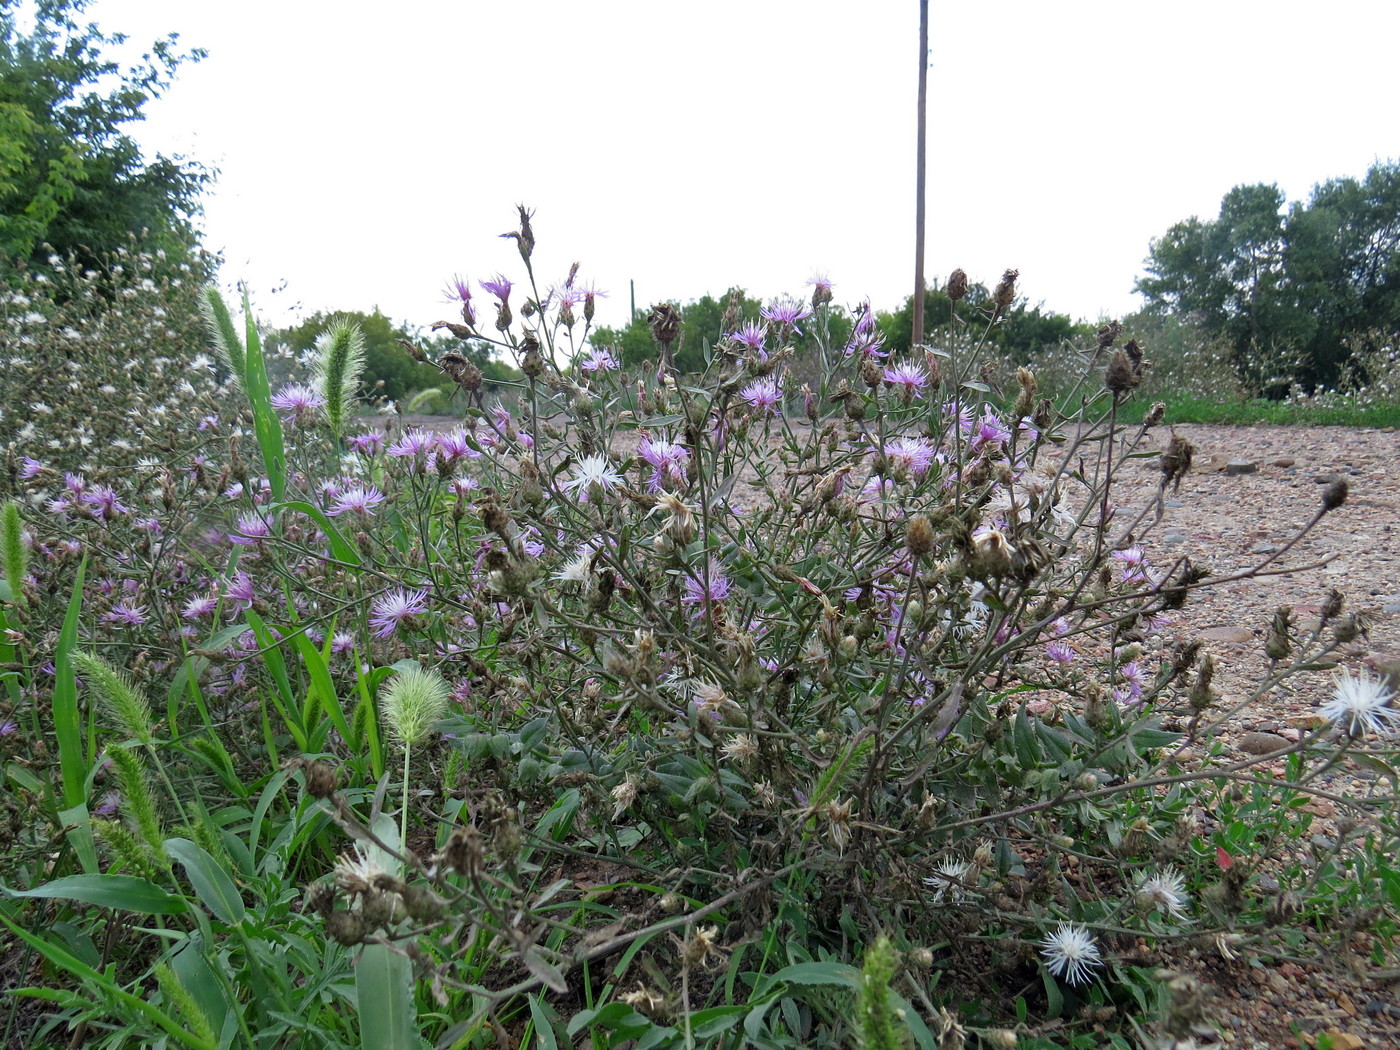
368, 152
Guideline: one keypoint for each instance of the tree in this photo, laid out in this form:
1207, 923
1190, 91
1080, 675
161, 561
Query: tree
70, 178
1287, 289
1021, 332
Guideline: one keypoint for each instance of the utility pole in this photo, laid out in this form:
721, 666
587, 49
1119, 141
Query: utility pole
919, 170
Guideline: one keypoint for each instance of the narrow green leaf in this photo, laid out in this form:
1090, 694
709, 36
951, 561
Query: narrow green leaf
322, 687
544, 1031
266, 423
212, 885
836, 974
67, 725
124, 892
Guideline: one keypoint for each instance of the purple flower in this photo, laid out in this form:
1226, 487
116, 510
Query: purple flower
31, 468
453, 446
396, 608
1059, 652
764, 394
598, 359
1136, 677
785, 313
199, 607
298, 403
240, 592
358, 500
416, 444
1134, 564
990, 430
151, 525
104, 503
9, 727
342, 642
208, 423
75, 483
458, 290
251, 528
366, 444
709, 588
499, 287
753, 335
126, 613
667, 460
107, 804
910, 376
909, 455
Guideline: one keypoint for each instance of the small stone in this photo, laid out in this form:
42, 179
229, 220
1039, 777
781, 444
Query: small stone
1234, 635
1327, 479
1264, 548
1344, 1040
1283, 461
1392, 608
1240, 466
1173, 538
1262, 743
1175, 503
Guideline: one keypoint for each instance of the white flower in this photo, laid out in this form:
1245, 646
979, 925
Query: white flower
578, 569
949, 881
1359, 704
1070, 952
590, 471
355, 872
1165, 891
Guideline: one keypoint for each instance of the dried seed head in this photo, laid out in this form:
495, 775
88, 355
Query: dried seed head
918, 535
1176, 461
1108, 334
465, 851
957, 284
1154, 414
665, 324
1332, 607
346, 928
1005, 293
321, 780
1279, 642
1025, 401
1202, 695
1121, 376
1334, 495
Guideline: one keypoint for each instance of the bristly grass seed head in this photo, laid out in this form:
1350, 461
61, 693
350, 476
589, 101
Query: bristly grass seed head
413, 700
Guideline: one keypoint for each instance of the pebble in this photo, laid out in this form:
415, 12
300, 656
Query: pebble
1283, 461
1262, 743
1174, 538
1264, 548
1175, 503
1237, 635
1240, 466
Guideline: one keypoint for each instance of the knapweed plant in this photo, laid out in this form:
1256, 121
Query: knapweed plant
646, 706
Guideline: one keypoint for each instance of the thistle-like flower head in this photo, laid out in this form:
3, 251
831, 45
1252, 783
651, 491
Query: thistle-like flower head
1359, 704
1070, 952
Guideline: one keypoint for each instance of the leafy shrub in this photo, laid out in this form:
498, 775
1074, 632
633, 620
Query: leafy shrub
637, 707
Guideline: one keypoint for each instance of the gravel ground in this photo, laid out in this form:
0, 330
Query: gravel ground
1231, 521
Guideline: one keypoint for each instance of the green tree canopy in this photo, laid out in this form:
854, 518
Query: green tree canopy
1021, 332
1287, 287
69, 175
